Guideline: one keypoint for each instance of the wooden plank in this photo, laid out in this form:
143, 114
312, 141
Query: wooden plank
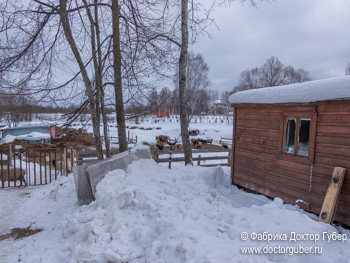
258, 141
182, 159
341, 140
334, 118
334, 150
194, 151
293, 163
260, 118
257, 133
334, 108
268, 125
279, 183
333, 160
268, 192
257, 148
286, 169
272, 173
274, 108
332, 195
340, 129
213, 165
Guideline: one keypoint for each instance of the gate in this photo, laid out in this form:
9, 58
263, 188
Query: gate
35, 166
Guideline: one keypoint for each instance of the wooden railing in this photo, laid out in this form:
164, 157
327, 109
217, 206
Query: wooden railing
34, 166
199, 155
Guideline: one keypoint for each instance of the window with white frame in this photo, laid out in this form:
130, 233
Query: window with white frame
296, 136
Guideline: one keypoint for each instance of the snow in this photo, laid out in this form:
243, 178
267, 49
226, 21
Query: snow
153, 214
311, 91
33, 136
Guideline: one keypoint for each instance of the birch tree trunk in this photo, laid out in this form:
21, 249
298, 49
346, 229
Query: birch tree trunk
99, 84
118, 89
182, 82
89, 90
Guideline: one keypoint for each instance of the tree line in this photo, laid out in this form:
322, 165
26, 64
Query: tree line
102, 54
98, 53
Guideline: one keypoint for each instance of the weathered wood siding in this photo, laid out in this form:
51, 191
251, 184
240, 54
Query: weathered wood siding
260, 165
332, 149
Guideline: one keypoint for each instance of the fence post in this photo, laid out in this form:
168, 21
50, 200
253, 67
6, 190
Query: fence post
41, 174
199, 160
34, 168
14, 167
9, 157
2, 173
64, 161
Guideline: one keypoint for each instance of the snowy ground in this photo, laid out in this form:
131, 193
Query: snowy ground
153, 214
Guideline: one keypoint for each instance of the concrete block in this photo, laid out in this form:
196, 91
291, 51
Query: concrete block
87, 176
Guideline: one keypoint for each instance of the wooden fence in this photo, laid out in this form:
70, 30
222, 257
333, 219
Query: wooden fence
115, 140
35, 166
208, 153
89, 156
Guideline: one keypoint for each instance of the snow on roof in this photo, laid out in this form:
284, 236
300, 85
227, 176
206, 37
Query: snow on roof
311, 91
28, 126
217, 102
33, 136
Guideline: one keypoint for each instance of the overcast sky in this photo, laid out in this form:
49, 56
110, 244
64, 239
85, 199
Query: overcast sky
310, 34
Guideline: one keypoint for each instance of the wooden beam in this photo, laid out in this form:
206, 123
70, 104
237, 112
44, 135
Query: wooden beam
202, 158
332, 196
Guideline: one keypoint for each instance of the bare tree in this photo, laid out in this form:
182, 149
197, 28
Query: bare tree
271, 73
250, 78
182, 82
165, 98
197, 82
116, 44
88, 85
153, 100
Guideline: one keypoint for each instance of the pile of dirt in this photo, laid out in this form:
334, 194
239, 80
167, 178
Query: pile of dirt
65, 138
77, 139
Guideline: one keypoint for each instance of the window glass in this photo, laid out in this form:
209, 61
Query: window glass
290, 136
303, 143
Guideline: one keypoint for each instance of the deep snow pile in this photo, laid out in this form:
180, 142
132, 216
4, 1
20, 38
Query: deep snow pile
153, 214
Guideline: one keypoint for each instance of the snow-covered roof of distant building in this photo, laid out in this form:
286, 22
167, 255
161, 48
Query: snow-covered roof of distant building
217, 101
28, 126
306, 92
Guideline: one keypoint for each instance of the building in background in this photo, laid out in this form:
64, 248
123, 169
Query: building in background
218, 108
35, 133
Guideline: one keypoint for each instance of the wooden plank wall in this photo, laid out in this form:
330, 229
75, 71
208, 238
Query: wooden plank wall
332, 149
260, 166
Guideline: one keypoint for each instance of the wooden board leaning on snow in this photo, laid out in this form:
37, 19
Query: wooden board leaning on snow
332, 195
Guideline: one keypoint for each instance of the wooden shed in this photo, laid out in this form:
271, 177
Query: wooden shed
45, 128
288, 139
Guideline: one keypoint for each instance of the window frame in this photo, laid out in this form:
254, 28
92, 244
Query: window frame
312, 116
